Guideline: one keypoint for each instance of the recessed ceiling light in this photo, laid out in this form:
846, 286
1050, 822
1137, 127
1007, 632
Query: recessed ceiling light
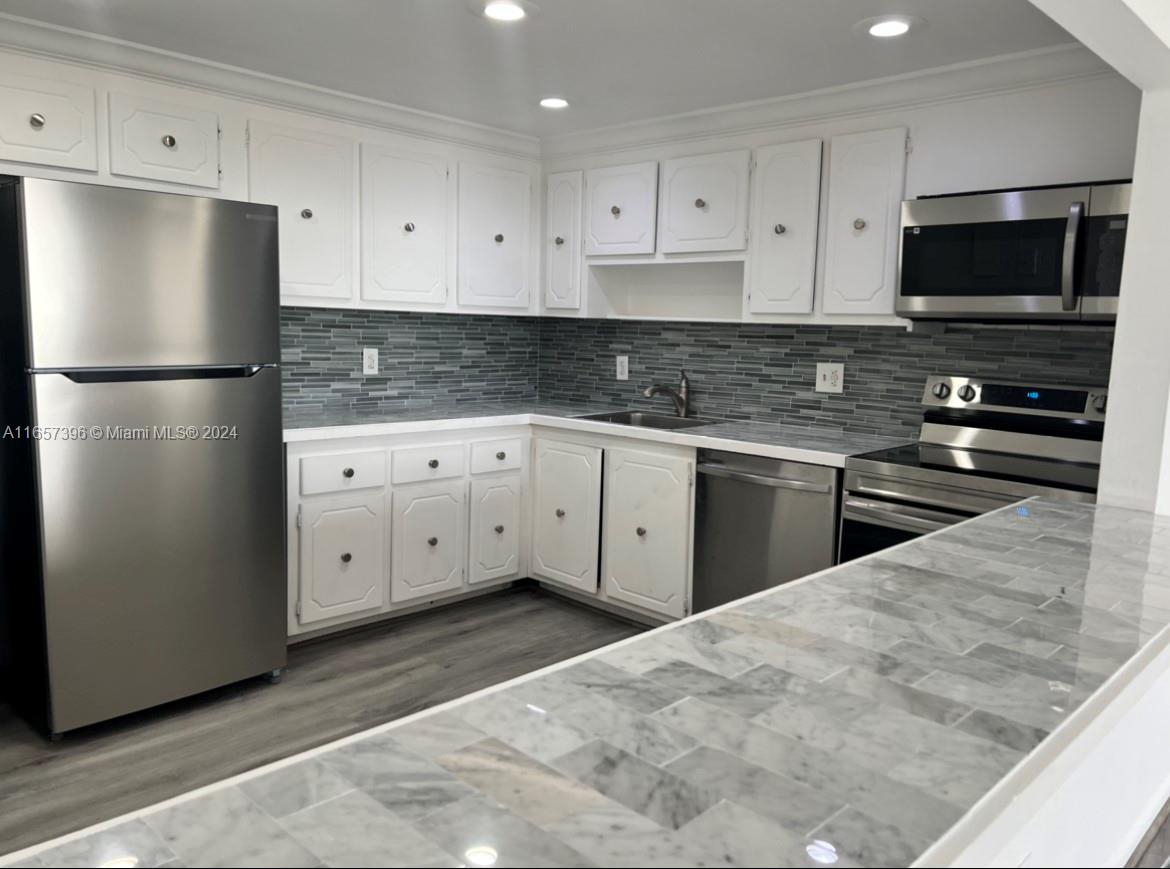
555, 103
888, 27
504, 10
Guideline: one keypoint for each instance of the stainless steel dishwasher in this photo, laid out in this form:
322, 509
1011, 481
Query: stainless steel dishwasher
760, 522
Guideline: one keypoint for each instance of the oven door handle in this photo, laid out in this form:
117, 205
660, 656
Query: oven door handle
898, 516
1068, 266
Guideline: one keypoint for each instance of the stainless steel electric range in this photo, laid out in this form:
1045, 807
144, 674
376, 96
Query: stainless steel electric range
983, 444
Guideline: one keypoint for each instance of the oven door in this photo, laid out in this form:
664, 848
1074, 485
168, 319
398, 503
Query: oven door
869, 525
992, 255
1105, 229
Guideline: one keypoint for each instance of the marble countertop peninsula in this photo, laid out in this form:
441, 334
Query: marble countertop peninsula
824, 446
851, 718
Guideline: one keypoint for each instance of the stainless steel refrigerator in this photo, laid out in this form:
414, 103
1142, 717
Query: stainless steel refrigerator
142, 508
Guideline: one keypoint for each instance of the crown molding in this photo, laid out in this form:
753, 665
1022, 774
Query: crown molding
26, 36
984, 77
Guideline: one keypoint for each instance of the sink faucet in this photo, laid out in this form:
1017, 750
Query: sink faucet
678, 396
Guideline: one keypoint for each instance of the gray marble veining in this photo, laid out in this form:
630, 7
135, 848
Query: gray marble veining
853, 718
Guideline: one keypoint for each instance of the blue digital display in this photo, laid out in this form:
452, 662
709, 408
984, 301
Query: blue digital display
1034, 395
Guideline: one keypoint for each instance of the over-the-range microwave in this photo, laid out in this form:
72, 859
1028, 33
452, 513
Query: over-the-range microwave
1050, 253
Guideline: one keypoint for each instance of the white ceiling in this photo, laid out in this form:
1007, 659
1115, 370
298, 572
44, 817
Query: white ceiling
615, 60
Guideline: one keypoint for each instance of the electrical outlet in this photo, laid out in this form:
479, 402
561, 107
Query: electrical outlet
830, 377
369, 360
623, 367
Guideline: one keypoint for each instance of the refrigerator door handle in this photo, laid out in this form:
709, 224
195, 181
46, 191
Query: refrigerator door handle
123, 375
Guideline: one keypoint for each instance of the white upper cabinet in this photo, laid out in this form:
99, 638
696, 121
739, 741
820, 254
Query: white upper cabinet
494, 252
309, 177
866, 179
562, 251
647, 538
621, 204
163, 141
704, 203
48, 122
786, 189
404, 226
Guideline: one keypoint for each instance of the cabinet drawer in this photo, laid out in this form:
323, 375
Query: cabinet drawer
342, 471
163, 141
498, 455
426, 463
48, 122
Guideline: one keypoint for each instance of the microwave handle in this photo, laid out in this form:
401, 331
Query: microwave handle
1068, 271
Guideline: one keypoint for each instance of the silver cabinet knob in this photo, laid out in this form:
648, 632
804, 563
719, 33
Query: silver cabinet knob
433, 463
558, 241
499, 237
499, 529
36, 120
860, 223
169, 141
346, 558
615, 211
780, 229
700, 203
501, 455
306, 213
432, 541
560, 513
640, 531
348, 472
409, 227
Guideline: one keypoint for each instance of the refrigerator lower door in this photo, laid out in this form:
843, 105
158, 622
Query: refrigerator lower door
163, 559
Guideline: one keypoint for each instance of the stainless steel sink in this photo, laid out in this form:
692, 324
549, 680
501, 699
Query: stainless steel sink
645, 420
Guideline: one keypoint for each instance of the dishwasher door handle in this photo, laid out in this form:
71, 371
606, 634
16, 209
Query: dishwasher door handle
764, 480
897, 516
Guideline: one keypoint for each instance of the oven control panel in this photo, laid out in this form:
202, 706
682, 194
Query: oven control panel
974, 393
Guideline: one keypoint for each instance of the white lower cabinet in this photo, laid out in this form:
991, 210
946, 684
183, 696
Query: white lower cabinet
342, 546
566, 507
646, 540
428, 545
494, 547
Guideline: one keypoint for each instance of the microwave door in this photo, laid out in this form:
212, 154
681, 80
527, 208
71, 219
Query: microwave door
992, 256
1106, 224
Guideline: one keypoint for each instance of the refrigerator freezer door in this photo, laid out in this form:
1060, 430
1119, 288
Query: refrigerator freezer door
127, 278
164, 564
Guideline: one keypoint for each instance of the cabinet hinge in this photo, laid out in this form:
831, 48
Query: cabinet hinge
298, 516
691, 471
909, 145
298, 609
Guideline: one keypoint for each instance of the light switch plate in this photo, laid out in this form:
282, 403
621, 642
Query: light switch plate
623, 367
830, 377
369, 360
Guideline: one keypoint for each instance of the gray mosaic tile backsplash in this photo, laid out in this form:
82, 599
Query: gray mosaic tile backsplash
767, 372
424, 359
737, 371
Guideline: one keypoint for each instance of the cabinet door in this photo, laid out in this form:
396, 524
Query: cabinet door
494, 251
495, 528
47, 122
309, 176
341, 550
566, 495
704, 203
621, 204
562, 251
163, 141
427, 551
866, 177
404, 226
647, 539
786, 191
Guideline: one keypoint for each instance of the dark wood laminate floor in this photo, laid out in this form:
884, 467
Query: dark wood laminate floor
333, 687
